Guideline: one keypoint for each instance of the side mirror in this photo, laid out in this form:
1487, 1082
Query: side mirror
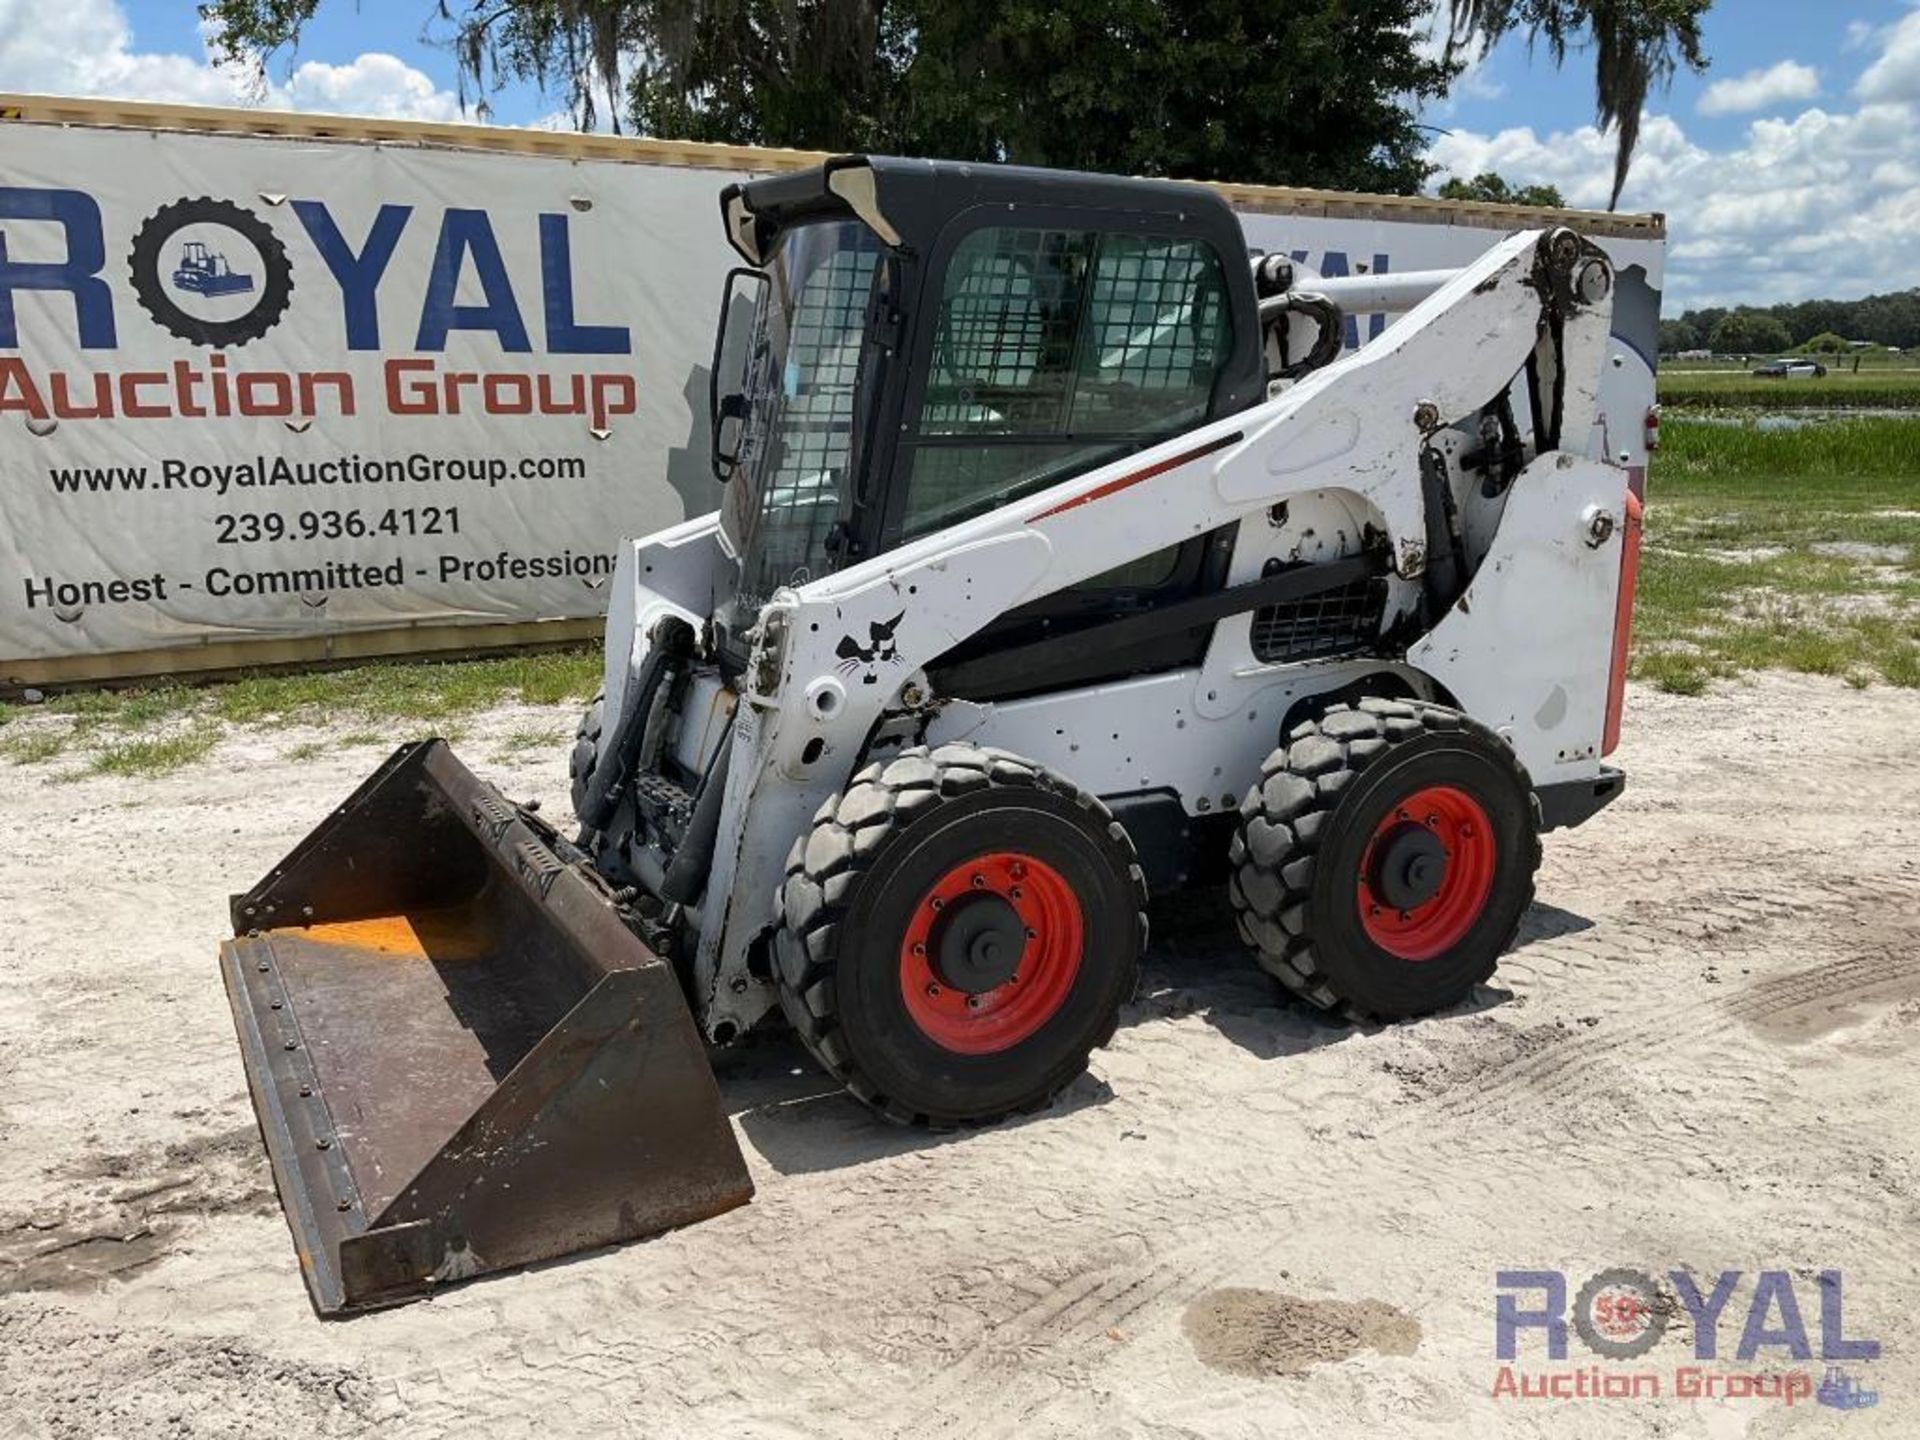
736, 338
729, 424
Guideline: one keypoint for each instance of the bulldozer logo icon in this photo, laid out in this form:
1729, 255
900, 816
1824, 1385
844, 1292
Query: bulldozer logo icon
879, 650
206, 270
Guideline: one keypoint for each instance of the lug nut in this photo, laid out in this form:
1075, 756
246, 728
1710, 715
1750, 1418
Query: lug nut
933, 992
938, 903
919, 949
979, 882
973, 1002
1016, 892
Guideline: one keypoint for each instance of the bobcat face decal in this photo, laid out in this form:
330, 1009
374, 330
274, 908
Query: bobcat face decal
879, 649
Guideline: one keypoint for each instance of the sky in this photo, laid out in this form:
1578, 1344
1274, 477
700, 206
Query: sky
1790, 170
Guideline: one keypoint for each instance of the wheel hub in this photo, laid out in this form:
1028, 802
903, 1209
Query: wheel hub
1427, 873
1409, 866
990, 952
976, 945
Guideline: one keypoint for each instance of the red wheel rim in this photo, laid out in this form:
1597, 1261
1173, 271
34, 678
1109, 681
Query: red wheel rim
1437, 924
1001, 1017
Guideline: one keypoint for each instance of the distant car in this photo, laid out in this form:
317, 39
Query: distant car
1793, 369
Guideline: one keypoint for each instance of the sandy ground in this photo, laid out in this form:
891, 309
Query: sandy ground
1244, 1222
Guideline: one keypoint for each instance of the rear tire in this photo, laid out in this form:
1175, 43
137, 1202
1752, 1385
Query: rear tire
1384, 861
958, 930
584, 758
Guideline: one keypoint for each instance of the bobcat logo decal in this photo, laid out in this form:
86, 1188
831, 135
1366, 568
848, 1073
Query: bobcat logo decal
880, 649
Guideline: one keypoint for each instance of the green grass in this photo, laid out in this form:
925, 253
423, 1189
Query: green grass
151, 730
519, 741
153, 757
1741, 570
410, 692
379, 697
30, 747
1871, 389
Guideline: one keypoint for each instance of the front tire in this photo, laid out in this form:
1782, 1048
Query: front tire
957, 932
584, 758
1384, 861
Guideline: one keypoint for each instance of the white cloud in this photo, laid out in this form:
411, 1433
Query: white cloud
1895, 75
1761, 89
1821, 204
370, 84
87, 47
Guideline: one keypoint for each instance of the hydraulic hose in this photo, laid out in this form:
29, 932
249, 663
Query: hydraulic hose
686, 876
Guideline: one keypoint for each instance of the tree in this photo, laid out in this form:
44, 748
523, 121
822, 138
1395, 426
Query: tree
1315, 92
1816, 317
1750, 332
1495, 190
1826, 344
1677, 337
1883, 319
1637, 44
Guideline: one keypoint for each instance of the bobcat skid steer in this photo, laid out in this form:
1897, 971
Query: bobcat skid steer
1061, 556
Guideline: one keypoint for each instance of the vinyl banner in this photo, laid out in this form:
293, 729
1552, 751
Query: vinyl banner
254, 388
270, 389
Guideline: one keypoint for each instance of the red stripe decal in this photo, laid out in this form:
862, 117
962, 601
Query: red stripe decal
1114, 487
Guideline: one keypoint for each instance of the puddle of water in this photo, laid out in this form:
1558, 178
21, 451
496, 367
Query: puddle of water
1785, 419
1261, 1333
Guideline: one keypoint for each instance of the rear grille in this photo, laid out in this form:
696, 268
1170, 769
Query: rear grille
1339, 620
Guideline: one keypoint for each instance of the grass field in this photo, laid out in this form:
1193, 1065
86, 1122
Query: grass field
1735, 389
1791, 549
151, 730
1794, 549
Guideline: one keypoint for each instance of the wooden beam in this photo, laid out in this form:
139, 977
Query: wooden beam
640, 150
217, 655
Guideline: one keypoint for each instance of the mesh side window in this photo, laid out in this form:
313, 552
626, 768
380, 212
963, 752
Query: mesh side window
1159, 336
1055, 351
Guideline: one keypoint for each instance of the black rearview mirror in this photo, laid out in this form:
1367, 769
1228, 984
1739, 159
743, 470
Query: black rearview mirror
733, 344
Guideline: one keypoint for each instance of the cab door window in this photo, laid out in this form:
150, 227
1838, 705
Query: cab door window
1057, 350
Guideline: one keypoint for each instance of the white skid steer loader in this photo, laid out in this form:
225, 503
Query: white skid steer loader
1062, 557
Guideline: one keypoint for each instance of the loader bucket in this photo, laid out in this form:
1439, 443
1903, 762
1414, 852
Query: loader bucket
461, 1057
